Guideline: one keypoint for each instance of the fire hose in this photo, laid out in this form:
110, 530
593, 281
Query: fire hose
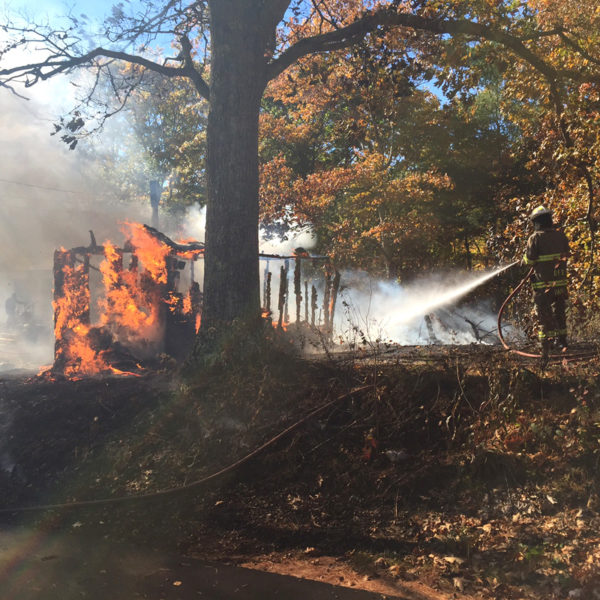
193, 484
551, 357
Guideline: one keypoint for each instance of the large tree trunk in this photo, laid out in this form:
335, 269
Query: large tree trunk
231, 280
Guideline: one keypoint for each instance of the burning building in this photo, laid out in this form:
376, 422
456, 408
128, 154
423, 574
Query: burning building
115, 307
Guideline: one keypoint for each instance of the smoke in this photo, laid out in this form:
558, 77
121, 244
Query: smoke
429, 310
302, 239
51, 198
194, 224
424, 312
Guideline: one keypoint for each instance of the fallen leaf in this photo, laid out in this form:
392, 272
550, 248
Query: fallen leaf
454, 560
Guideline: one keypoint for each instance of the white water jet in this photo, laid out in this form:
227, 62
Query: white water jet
426, 302
388, 311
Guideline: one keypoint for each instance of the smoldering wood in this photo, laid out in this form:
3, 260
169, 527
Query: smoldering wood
282, 295
313, 305
305, 301
298, 287
335, 288
433, 339
326, 299
267, 299
267, 287
287, 295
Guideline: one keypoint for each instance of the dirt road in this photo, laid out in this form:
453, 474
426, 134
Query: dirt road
67, 566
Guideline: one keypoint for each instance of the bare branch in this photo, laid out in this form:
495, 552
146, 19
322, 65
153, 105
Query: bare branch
330, 20
64, 63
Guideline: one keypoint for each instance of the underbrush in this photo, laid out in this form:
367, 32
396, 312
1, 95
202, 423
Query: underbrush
473, 471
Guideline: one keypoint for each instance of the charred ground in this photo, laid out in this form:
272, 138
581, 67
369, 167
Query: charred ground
463, 470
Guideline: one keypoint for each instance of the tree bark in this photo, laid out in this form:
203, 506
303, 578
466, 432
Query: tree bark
231, 280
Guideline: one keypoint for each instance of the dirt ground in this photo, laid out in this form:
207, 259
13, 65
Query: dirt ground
455, 475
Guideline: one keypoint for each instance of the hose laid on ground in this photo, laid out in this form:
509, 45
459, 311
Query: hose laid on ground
551, 357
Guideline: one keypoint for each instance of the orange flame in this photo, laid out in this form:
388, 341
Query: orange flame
70, 331
152, 252
131, 309
125, 305
187, 303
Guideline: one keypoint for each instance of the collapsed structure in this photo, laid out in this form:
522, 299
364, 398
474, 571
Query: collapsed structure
115, 307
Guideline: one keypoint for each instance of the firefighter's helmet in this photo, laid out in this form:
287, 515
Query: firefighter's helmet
540, 211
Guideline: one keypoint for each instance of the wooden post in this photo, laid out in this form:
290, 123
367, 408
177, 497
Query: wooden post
313, 305
268, 292
298, 287
335, 288
264, 290
282, 295
326, 298
305, 301
287, 296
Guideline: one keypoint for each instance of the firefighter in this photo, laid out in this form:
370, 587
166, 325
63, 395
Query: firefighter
547, 252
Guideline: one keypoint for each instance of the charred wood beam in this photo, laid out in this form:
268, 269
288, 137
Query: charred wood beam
306, 301
183, 248
298, 287
287, 293
88, 250
282, 294
267, 298
326, 299
82, 261
335, 288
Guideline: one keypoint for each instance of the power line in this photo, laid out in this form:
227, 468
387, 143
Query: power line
41, 187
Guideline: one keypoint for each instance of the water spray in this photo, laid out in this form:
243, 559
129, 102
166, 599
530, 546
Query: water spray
423, 306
